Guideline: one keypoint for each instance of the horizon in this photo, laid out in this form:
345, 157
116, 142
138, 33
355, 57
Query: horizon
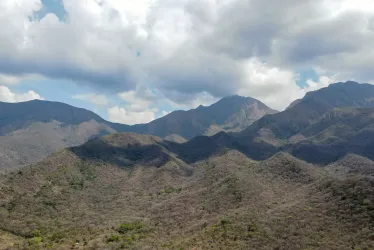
193, 108
133, 62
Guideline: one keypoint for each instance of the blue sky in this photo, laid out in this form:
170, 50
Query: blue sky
134, 61
52, 6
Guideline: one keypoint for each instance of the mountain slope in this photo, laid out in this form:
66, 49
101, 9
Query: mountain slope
83, 199
309, 109
232, 113
30, 131
320, 128
337, 133
273, 133
15, 116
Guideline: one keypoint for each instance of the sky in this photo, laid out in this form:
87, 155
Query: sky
134, 61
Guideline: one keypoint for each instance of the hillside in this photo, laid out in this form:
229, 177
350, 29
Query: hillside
106, 194
338, 133
30, 131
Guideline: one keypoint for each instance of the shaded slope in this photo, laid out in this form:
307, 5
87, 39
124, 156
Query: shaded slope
338, 133
124, 150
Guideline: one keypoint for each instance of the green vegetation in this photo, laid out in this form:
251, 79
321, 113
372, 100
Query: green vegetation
113, 238
128, 234
130, 227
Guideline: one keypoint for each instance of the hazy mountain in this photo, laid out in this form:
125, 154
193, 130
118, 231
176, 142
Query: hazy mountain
309, 109
319, 128
273, 133
232, 113
32, 130
131, 191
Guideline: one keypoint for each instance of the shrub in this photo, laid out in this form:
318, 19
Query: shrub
224, 222
113, 238
126, 227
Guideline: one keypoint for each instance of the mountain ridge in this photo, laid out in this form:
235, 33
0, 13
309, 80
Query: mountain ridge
32, 130
283, 131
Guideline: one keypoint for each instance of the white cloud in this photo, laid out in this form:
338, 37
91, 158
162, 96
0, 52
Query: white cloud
276, 87
190, 51
134, 101
92, 98
121, 115
6, 95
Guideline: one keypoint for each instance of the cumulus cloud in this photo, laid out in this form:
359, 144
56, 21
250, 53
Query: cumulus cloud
138, 100
275, 86
122, 115
186, 49
96, 99
6, 95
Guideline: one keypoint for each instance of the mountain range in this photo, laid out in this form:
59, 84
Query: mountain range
302, 178
31, 130
296, 129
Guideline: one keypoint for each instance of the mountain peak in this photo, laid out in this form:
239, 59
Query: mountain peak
344, 83
237, 98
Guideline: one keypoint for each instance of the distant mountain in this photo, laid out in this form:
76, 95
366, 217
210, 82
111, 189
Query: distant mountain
320, 128
132, 191
232, 113
309, 109
32, 130
274, 131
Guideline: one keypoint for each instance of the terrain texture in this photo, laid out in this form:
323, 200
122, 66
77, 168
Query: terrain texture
129, 191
